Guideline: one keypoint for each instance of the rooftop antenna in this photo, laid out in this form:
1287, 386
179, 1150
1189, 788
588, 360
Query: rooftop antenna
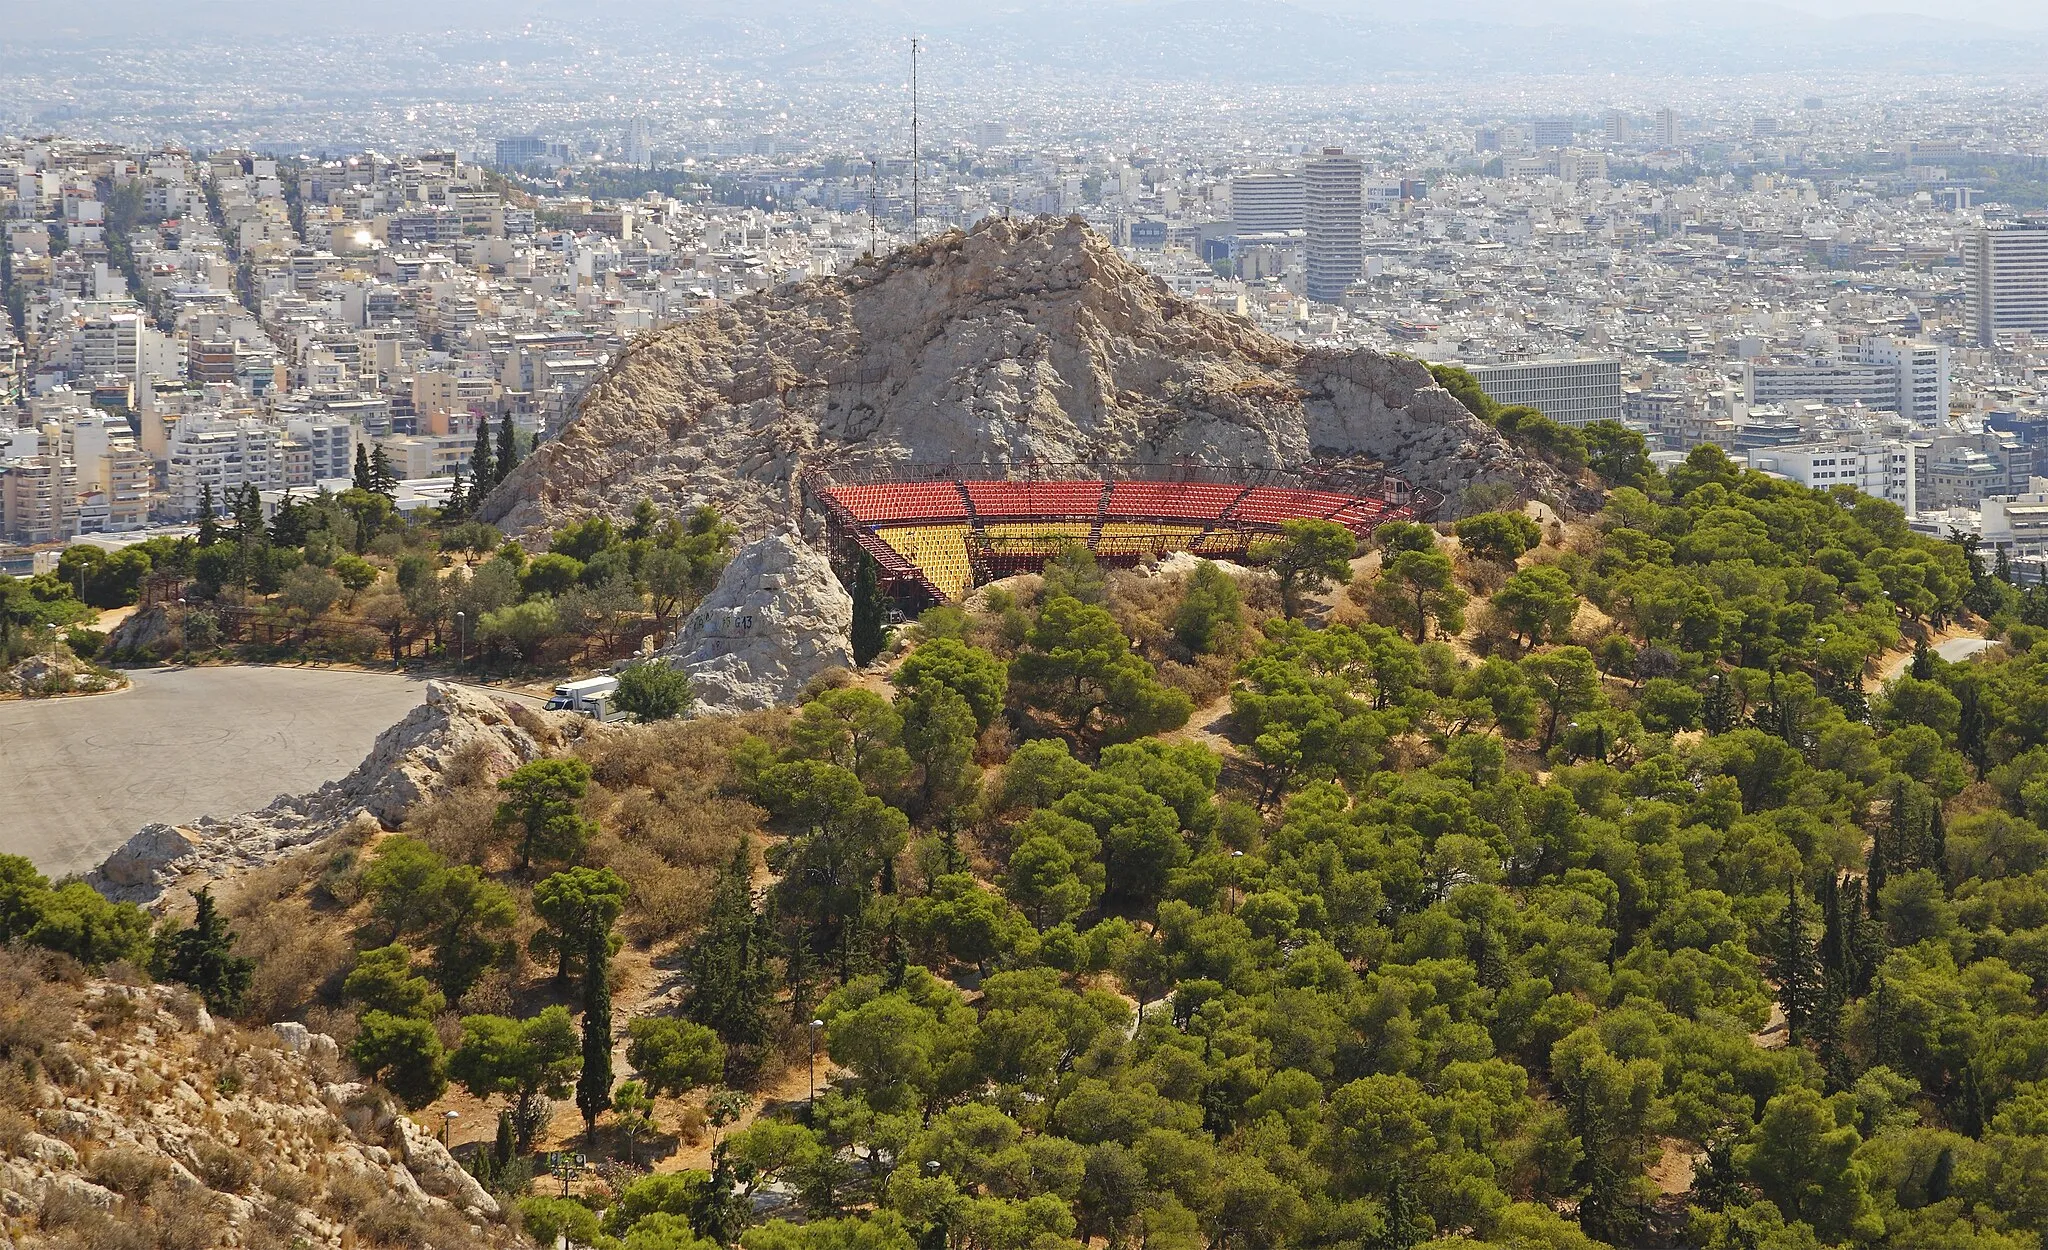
914, 161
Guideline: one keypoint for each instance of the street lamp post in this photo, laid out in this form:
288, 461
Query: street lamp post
459, 653
448, 1119
811, 1106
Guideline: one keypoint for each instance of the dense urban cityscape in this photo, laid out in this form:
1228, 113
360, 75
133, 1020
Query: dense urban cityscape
1841, 285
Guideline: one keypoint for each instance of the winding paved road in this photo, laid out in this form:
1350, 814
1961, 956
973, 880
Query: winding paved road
1954, 650
78, 776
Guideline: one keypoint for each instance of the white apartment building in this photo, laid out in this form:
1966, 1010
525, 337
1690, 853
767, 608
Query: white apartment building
1881, 469
2007, 268
1335, 197
1569, 392
2019, 524
1268, 203
1919, 372
1828, 381
1895, 375
107, 344
318, 449
35, 501
109, 463
226, 453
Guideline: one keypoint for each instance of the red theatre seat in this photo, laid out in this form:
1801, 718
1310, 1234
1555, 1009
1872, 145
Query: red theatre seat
902, 501
1074, 500
1192, 501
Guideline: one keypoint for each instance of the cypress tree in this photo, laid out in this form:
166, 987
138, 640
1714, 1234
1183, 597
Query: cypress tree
1792, 963
480, 471
202, 956
1720, 713
1884, 1016
363, 479
728, 987
870, 612
1923, 661
1935, 852
1973, 728
1942, 1178
383, 479
508, 450
594, 1087
209, 527
2002, 567
502, 1147
457, 504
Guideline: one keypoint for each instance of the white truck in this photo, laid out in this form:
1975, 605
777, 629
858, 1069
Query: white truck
590, 697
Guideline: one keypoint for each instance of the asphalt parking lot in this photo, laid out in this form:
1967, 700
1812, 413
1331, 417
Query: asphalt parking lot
79, 776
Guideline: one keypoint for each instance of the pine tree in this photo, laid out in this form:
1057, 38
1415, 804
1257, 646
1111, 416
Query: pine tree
508, 450
870, 612
202, 956
1792, 965
209, 527
362, 475
1923, 661
594, 1087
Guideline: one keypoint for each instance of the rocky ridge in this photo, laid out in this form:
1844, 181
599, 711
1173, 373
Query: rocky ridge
1014, 342
139, 1101
457, 728
777, 618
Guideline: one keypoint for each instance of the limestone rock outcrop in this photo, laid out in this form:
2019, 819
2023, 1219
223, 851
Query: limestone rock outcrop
196, 1113
1012, 342
409, 761
777, 618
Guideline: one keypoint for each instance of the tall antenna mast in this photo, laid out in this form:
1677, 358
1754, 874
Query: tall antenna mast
914, 159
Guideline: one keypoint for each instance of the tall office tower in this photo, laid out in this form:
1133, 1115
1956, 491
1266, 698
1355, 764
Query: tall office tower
639, 148
1667, 128
1619, 129
2008, 276
1268, 203
1335, 193
1551, 132
517, 150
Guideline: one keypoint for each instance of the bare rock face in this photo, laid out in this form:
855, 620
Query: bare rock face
408, 762
1013, 342
777, 618
203, 1109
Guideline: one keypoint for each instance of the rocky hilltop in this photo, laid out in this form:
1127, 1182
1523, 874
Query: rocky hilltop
1014, 341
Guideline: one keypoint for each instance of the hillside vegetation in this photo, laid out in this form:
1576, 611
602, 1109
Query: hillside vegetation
1525, 884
